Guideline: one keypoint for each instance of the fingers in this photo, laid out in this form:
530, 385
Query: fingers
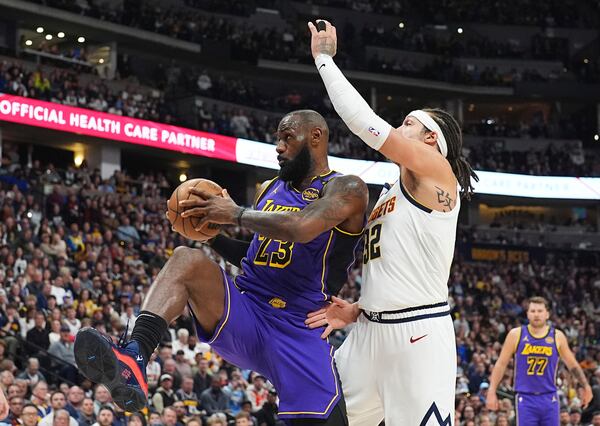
312, 28
194, 202
327, 332
319, 323
225, 194
200, 193
201, 222
339, 301
315, 313
322, 318
196, 211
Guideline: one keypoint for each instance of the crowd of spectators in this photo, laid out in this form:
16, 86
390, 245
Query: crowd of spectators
251, 121
85, 254
65, 87
553, 13
249, 43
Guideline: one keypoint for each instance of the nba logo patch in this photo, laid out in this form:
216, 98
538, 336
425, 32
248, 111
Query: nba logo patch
549, 340
374, 131
310, 194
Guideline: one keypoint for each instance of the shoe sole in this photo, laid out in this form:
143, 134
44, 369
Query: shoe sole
96, 360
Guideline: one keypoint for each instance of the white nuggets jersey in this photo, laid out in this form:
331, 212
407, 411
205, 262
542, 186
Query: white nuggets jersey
408, 253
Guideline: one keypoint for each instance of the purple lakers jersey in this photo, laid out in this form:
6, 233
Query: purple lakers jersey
536, 362
290, 276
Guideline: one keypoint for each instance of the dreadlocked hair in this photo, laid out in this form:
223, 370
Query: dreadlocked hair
460, 166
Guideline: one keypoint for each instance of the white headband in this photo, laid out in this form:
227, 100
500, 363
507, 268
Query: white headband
427, 121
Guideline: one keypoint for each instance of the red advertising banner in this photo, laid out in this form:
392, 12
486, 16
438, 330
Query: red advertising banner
115, 127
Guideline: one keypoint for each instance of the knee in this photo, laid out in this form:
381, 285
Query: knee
189, 259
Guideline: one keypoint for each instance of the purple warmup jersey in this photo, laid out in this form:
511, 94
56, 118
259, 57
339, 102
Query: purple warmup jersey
293, 276
536, 362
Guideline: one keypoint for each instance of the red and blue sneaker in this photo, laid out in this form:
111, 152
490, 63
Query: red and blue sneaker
121, 368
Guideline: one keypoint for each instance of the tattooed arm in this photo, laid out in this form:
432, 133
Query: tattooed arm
344, 201
569, 359
445, 199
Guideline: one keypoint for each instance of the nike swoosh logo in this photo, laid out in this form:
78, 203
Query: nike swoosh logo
413, 340
322, 65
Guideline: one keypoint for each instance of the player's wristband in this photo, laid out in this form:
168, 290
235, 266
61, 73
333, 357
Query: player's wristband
241, 213
350, 105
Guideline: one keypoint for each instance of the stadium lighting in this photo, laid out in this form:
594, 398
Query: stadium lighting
101, 61
78, 159
48, 36
60, 35
182, 177
459, 30
39, 30
81, 39
586, 61
29, 215
596, 137
401, 25
28, 42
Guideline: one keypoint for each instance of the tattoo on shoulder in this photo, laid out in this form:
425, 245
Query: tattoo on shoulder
444, 198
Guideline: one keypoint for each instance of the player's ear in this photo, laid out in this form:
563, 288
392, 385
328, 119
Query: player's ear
431, 138
315, 136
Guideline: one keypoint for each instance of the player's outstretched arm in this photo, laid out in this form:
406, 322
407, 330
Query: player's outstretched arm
344, 201
508, 350
566, 354
4, 408
361, 119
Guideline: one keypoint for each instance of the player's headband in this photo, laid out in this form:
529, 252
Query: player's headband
428, 121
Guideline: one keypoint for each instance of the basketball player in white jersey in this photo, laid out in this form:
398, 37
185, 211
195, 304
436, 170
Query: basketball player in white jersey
399, 361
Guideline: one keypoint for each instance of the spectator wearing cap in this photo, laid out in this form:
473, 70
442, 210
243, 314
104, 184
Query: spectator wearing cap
182, 364
214, 399
257, 392
63, 350
267, 415
164, 395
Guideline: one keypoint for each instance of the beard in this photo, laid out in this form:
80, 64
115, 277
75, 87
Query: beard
296, 169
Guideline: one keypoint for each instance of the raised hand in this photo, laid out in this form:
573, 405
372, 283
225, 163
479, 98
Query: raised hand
324, 41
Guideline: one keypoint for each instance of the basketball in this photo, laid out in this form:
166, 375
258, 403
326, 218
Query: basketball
186, 226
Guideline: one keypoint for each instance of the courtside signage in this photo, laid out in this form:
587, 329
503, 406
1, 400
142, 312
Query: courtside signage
48, 115
115, 127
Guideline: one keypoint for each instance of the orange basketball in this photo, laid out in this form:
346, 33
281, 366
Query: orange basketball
186, 226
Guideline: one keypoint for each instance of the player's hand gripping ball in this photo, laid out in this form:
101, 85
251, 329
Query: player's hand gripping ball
191, 226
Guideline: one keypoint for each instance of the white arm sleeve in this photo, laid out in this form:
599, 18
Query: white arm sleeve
350, 105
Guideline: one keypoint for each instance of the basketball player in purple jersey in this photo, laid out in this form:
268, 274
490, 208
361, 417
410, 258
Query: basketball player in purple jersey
308, 221
537, 348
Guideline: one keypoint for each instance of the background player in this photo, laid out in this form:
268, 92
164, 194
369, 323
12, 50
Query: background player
308, 222
399, 362
536, 348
